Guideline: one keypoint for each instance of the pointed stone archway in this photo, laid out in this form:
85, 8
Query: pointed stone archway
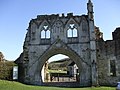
59, 47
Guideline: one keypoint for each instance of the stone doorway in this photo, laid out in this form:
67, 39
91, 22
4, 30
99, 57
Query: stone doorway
60, 68
60, 78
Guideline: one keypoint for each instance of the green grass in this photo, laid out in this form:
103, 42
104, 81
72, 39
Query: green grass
11, 85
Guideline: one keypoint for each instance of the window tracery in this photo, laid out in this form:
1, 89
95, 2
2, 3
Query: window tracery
72, 31
45, 33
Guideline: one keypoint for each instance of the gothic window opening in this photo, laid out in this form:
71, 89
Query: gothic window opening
45, 33
69, 33
48, 34
112, 68
72, 31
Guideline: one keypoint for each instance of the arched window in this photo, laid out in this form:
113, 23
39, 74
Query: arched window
48, 34
69, 32
75, 32
72, 31
45, 33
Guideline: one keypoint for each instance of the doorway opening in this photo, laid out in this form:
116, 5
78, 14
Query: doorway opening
60, 68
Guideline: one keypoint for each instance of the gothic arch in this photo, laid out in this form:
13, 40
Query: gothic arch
45, 22
34, 26
71, 20
42, 31
74, 31
34, 23
84, 23
59, 48
57, 22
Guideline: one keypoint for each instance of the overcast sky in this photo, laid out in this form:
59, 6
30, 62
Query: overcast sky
16, 14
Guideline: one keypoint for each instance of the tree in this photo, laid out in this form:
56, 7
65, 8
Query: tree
1, 57
6, 70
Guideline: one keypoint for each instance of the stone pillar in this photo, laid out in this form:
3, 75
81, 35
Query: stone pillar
94, 74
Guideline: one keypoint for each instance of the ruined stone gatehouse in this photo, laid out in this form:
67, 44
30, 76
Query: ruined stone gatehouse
74, 36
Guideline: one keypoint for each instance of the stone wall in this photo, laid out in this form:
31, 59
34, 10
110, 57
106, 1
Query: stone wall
107, 51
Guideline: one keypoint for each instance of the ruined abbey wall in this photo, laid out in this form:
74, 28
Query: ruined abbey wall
108, 57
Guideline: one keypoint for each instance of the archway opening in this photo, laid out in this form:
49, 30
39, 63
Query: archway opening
60, 68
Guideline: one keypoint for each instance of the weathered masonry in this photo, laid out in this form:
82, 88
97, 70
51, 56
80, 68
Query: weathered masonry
71, 35
108, 59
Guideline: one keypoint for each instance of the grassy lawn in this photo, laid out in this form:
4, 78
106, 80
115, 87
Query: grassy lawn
10, 85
